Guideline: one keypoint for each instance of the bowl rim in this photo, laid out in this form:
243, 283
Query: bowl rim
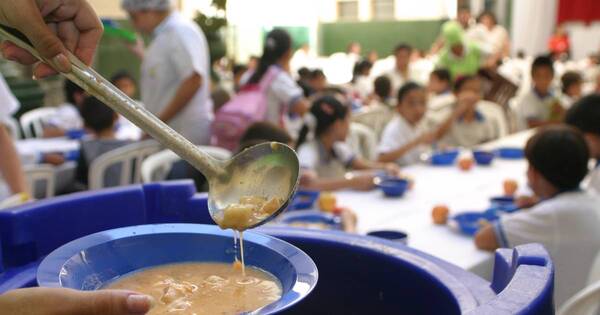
48, 273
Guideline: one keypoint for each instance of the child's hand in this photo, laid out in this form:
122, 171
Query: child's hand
392, 169
526, 201
427, 138
363, 182
53, 159
307, 177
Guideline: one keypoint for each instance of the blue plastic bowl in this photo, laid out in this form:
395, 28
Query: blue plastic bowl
395, 236
304, 199
394, 187
75, 134
511, 153
309, 216
93, 261
483, 157
444, 158
468, 222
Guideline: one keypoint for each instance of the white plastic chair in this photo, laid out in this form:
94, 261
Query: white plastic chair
40, 173
130, 159
363, 141
32, 121
586, 301
156, 166
13, 127
375, 118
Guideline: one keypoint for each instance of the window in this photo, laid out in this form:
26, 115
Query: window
383, 9
347, 10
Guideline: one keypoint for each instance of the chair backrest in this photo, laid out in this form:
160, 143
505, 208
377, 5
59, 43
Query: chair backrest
363, 141
32, 121
157, 166
128, 157
374, 118
13, 127
498, 114
585, 302
40, 175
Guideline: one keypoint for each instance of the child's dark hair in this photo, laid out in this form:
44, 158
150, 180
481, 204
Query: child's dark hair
407, 88
96, 115
316, 74
277, 44
585, 114
489, 14
461, 81
326, 110
442, 75
403, 46
261, 132
120, 75
541, 62
70, 90
360, 67
560, 154
239, 69
570, 78
304, 73
383, 87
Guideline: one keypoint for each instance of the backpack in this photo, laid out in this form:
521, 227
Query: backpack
245, 108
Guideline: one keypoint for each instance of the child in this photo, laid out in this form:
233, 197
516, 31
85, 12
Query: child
470, 126
238, 71
585, 116
99, 120
565, 221
539, 106
440, 90
362, 81
326, 158
401, 141
317, 81
261, 132
379, 111
125, 82
402, 69
572, 84
67, 115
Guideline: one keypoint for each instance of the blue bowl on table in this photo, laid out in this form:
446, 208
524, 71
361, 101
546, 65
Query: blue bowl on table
93, 261
444, 158
75, 134
483, 158
391, 235
309, 217
470, 222
393, 187
504, 204
511, 153
304, 199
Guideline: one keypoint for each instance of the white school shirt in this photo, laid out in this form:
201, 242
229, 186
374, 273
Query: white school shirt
567, 226
332, 165
483, 128
283, 92
8, 106
397, 134
67, 117
531, 106
398, 80
178, 50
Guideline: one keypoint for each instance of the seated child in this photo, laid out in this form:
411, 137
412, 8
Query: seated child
539, 106
99, 120
379, 111
67, 116
585, 116
261, 132
440, 90
566, 220
571, 88
471, 126
327, 158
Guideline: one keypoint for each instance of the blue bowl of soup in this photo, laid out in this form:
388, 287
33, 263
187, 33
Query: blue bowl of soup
95, 261
511, 153
483, 158
444, 158
393, 187
312, 220
470, 222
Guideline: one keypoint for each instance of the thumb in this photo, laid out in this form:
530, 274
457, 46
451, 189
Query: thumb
113, 302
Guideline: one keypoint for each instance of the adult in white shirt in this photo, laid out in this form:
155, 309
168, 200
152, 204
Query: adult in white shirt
565, 221
12, 180
175, 68
402, 72
491, 37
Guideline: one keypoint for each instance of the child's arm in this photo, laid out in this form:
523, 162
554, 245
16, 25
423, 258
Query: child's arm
361, 182
466, 101
485, 239
394, 155
360, 164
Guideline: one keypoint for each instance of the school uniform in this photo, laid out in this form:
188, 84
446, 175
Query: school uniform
283, 92
469, 134
535, 106
593, 180
331, 164
567, 226
8, 106
178, 50
66, 117
398, 79
397, 134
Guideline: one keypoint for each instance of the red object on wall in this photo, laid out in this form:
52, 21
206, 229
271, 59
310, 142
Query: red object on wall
578, 11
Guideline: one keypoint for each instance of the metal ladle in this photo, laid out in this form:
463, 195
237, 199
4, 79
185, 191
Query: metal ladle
268, 170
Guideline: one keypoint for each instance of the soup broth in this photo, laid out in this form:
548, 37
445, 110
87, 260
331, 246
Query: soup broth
203, 288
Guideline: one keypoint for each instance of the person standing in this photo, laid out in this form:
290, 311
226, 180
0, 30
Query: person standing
175, 68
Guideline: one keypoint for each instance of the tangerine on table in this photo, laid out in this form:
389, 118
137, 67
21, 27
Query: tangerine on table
440, 214
510, 187
465, 164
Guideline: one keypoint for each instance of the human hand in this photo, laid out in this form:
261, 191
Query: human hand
427, 138
53, 159
38, 301
526, 201
54, 27
138, 47
363, 182
392, 169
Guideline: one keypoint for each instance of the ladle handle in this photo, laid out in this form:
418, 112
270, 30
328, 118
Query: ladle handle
96, 85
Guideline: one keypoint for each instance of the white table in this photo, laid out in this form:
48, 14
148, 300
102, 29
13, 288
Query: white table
460, 191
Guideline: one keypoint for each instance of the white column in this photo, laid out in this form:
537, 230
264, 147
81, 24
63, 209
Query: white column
533, 22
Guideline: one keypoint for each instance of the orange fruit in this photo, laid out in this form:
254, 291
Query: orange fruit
440, 214
465, 164
510, 187
327, 202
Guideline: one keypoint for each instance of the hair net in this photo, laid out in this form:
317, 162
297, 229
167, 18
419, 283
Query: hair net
139, 5
452, 33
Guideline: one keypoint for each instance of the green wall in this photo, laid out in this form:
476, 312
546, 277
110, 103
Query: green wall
381, 36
